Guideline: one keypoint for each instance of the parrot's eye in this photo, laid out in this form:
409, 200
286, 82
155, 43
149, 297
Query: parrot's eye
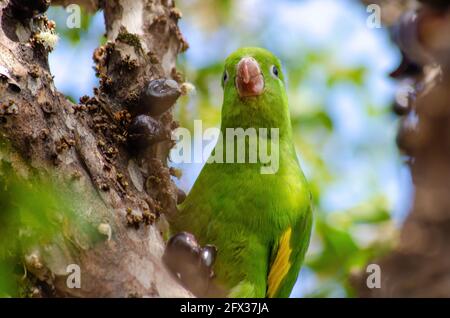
225, 77
274, 71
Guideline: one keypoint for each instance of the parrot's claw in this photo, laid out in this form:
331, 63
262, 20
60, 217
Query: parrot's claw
189, 262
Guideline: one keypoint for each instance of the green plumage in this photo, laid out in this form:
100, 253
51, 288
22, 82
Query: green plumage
243, 212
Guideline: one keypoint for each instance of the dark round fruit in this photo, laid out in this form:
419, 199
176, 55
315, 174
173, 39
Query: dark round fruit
158, 97
143, 132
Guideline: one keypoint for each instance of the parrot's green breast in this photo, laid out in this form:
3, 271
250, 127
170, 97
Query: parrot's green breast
246, 214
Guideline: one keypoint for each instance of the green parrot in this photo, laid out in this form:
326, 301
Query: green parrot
259, 222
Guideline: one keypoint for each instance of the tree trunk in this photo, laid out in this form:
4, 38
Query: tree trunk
128, 193
419, 266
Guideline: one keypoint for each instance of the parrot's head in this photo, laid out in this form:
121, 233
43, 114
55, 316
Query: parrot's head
254, 91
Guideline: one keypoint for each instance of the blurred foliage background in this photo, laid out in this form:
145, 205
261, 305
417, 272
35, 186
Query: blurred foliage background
340, 95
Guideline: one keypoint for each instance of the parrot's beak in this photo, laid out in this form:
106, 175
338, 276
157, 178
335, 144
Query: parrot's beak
249, 79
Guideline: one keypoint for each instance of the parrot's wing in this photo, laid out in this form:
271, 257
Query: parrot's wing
287, 257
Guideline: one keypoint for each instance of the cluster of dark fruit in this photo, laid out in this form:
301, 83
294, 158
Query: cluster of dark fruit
184, 257
191, 263
158, 97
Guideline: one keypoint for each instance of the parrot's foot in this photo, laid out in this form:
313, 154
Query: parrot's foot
190, 263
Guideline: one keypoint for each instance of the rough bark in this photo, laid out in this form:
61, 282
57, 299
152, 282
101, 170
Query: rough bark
130, 192
419, 266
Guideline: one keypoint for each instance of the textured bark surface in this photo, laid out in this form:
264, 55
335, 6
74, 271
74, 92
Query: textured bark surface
420, 264
87, 142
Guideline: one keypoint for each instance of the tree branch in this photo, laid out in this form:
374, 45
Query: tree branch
87, 142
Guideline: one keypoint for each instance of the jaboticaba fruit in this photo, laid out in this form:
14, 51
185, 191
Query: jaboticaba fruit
191, 263
157, 98
143, 132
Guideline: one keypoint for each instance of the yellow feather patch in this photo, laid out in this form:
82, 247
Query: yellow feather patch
281, 265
